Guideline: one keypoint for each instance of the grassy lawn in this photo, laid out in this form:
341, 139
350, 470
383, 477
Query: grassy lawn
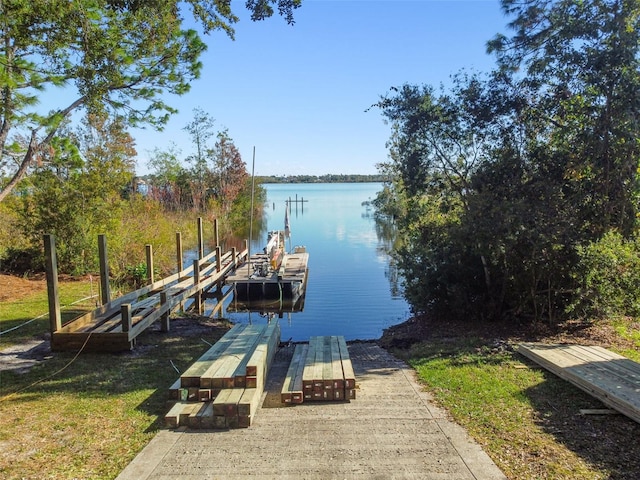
76, 297
527, 419
87, 417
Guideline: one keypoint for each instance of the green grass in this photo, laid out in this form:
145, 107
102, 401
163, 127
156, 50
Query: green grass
35, 306
629, 330
87, 417
524, 417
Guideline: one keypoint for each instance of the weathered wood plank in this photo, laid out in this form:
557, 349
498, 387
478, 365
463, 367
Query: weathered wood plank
336, 366
191, 377
219, 404
90, 342
219, 373
242, 347
262, 357
610, 378
297, 395
292, 385
249, 402
347, 367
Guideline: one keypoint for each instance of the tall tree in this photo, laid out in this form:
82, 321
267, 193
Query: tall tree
200, 130
580, 59
107, 55
229, 171
109, 153
169, 179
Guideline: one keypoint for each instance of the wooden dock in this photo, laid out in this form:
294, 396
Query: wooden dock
115, 325
611, 378
286, 283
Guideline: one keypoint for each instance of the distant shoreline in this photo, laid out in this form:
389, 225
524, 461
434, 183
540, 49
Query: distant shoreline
328, 178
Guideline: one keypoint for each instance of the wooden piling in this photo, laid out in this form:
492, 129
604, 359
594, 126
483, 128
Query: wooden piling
149, 251
164, 318
105, 289
200, 239
125, 312
197, 297
179, 255
55, 316
216, 236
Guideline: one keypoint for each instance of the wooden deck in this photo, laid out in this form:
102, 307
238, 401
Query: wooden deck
293, 268
611, 378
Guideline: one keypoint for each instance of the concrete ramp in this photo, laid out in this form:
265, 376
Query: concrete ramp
391, 430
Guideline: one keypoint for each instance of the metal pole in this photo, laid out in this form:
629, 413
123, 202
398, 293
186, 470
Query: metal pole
253, 185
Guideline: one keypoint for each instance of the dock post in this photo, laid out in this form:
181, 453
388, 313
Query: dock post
234, 257
179, 257
55, 316
179, 262
164, 319
200, 239
105, 289
125, 313
197, 297
246, 247
218, 258
149, 250
216, 235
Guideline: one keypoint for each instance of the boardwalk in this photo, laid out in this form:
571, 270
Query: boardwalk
392, 430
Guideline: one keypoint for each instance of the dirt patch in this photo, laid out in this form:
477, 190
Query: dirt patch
15, 288
21, 358
421, 329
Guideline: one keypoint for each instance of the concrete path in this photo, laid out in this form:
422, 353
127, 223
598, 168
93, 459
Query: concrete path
391, 430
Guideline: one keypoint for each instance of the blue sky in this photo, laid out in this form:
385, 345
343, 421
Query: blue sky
299, 93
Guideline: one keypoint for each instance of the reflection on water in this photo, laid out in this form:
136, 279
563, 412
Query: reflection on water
279, 306
353, 287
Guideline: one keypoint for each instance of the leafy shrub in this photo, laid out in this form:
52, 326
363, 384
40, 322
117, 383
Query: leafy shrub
22, 261
609, 277
136, 275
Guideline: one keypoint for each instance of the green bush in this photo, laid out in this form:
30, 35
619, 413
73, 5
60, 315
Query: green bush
609, 277
22, 261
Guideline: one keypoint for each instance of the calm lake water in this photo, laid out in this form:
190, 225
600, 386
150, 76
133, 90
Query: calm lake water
349, 290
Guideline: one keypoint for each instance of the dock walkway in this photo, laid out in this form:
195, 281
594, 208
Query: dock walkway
611, 378
115, 325
392, 431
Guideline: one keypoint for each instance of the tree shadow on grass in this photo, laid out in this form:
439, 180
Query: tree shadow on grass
606, 441
147, 371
